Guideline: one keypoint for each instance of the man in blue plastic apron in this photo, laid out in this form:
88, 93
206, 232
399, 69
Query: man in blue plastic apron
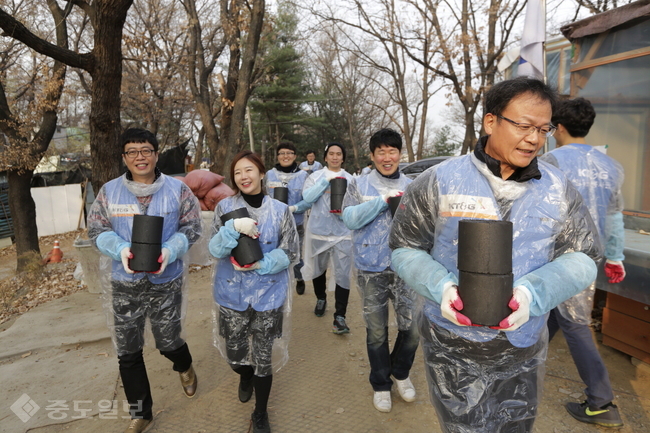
310, 165
134, 297
366, 213
483, 379
598, 178
287, 174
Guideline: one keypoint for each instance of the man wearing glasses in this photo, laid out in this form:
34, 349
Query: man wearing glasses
136, 296
287, 174
486, 379
310, 165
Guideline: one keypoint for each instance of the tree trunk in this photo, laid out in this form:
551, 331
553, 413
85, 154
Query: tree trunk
199, 149
355, 151
105, 125
470, 134
23, 215
229, 21
245, 78
21, 203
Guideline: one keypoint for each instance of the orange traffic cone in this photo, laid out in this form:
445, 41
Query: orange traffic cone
55, 255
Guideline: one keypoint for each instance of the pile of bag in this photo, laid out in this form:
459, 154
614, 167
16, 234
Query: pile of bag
208, 187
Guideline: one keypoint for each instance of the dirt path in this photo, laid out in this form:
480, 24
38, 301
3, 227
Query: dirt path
323, 388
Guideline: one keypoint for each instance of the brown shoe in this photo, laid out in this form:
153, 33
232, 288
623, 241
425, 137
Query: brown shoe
189, 382
138, 425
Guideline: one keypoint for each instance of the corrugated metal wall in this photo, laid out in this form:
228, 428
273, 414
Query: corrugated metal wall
6, 225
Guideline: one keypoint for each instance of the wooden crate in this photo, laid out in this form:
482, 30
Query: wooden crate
626, 326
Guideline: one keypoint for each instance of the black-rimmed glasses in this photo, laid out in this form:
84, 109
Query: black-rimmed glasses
527, 129
132, 153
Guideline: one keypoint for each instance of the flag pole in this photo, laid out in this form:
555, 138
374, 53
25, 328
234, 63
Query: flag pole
544, 58
544, 43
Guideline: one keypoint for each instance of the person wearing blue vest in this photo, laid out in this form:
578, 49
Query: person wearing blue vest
598, 178
136, 296
310, 165
366, 213
253, 301
327, 237
287, 174
487, 379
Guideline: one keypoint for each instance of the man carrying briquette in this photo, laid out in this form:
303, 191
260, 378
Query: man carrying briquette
366, 212
287, 174
310, 165
136, 296
485, 379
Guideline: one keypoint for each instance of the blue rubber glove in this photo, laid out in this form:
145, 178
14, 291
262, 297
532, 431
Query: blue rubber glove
224, 241
312, 194
111, 244
273, 262
177, 245
422, 273
615, 237
358, 216
557, 281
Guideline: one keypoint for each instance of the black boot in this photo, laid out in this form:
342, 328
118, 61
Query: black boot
260, 421
300, 287
245, 389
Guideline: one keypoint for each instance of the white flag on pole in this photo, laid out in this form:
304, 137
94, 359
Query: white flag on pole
531, 62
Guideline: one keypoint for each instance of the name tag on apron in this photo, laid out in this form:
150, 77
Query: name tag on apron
467, 206
123, 210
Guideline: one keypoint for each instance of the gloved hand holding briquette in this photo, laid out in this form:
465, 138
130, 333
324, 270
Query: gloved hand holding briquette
451, 304
246, 226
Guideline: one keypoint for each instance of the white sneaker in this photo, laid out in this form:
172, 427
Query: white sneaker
406, 389
382, 401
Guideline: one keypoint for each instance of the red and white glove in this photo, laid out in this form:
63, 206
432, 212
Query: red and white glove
451, 304
520, 306
239, 267
246, 226
163, 260
615, 271
125, 255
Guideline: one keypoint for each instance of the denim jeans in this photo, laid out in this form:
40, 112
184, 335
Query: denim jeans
586, 357
377, 288
296, 269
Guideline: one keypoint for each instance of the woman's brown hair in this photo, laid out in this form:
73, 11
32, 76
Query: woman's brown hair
252, 157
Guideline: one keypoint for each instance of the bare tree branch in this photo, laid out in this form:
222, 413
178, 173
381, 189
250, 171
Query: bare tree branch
18, 31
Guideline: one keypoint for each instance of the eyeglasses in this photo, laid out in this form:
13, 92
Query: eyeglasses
527, 129
286, 153
146, 152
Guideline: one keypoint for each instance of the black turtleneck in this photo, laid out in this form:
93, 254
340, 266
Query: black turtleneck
291, 169
254, 200
521, 174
